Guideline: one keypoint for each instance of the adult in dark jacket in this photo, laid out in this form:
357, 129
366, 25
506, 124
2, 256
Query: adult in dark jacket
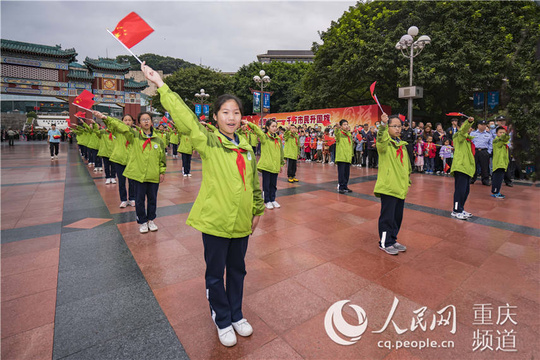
407, 135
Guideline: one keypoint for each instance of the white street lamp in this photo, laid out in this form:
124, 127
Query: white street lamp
202, 96
262, 79
416, 47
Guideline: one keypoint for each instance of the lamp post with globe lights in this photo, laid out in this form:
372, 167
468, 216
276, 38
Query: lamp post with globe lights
410, 49
262, 79
202, 96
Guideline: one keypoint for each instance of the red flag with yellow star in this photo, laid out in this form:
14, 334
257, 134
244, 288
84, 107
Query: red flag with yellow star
84, 100
131, 30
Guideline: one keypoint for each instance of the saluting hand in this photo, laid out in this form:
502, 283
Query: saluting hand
98, 115
470, 119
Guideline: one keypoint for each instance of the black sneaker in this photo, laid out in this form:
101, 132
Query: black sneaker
348, 190
510, 184
342, 191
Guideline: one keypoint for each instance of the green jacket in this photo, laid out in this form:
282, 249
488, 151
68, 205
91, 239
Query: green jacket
175, 138
250, 137
164, 135
106, 141
145, 162
121, 146
344, 146
186, 146
292, 147
463, 157
271, 151
226, 204
500, 152
393, 176
82, 135
93, 140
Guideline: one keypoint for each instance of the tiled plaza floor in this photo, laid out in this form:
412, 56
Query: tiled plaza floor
80, 282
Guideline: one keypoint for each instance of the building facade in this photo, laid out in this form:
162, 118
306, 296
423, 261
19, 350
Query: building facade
47, 79
288, 56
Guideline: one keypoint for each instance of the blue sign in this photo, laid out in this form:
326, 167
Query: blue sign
493, 99
256, 101
206, 110
478, 101
266, 102
198, 109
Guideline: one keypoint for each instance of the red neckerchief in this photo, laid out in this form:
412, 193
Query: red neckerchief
399, 153
127, 143
275, 139
240, 162
473, 148
146, 142
344, 133
296, 139
110, 136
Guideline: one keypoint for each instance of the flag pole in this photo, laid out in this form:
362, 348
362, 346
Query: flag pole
377, 101
82, 107
124, 45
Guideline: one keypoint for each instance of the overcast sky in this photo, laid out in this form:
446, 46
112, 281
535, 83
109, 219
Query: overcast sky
224, 34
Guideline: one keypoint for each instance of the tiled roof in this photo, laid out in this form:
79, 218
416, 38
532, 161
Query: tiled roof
29, 48
132, 84
80, 74
76, 65
106, 64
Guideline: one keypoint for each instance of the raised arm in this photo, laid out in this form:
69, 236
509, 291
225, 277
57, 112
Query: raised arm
184, 119
257, 130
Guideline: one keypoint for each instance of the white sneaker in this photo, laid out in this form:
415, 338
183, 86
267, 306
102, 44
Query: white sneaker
189, 175
143, 228
56, 157
152, 226
108, 181
89, 164
100, 169
467, 214
185, 175
52, 158
123, 204
95, 170
459, 216
269, 205
276, 204
113, 181
242, 328
132, 203
227, 337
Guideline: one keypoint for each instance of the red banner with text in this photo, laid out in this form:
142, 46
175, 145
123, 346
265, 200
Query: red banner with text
355, 115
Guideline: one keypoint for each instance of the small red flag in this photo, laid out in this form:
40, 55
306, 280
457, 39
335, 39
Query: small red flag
80, 114
372, 89
85, 99
203, 118
446, 167
69, 122
401, 117
164, 120
131, 30
456, 114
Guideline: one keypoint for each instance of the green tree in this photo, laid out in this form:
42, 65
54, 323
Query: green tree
186, 82
286, 80
157, 62
475, 46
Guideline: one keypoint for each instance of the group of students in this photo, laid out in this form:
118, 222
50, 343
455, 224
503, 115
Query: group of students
230, 201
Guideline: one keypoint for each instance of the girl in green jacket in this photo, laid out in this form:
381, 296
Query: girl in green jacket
106, 140
463, 168
271, 160
291, 151
500, 161
119, 158
186, 149
229, 204
174, 140
393, 181
146, 166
